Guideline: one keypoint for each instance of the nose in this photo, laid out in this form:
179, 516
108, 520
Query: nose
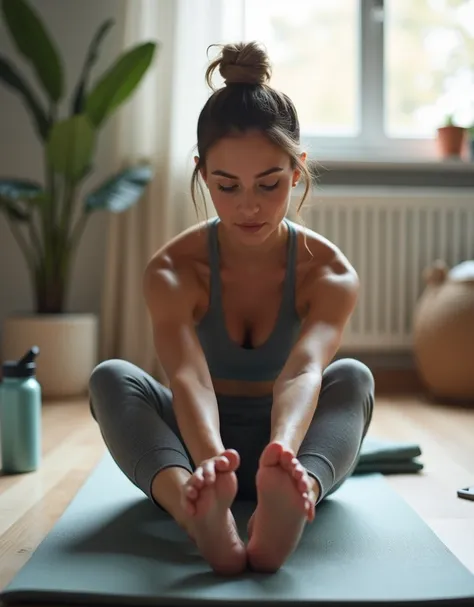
248, 206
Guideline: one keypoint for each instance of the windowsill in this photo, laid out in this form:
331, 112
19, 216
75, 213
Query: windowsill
358, 191
448, 166
394, 172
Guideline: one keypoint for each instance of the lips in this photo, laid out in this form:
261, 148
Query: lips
250, 228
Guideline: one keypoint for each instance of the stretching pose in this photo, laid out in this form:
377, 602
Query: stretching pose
248, 309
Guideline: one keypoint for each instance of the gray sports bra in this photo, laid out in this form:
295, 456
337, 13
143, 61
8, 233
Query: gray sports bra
227, 359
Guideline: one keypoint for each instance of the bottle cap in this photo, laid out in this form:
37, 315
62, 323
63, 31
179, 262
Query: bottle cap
25, 367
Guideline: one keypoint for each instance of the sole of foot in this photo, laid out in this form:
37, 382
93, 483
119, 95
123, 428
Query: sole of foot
285, 505
208, 498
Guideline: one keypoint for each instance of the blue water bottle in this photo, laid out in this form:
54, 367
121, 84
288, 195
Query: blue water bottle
20, 415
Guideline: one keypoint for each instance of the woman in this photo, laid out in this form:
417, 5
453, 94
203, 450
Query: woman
247, 313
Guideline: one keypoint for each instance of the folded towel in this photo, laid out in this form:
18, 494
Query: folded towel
388, 457
399, 467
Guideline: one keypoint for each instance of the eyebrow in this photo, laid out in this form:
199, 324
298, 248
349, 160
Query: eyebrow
267, 172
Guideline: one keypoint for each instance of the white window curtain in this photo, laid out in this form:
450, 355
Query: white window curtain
159, 124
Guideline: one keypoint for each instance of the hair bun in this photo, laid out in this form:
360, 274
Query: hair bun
244, 62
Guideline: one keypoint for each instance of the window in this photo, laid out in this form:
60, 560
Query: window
370, 78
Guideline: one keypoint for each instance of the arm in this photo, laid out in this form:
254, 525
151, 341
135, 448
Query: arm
296, 390
170, 297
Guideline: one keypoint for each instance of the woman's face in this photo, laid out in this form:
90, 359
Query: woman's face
250, 181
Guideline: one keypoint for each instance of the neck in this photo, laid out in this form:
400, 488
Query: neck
235, 254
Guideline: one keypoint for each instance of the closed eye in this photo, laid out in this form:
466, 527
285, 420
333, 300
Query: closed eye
229, 188
269, 188
232, 188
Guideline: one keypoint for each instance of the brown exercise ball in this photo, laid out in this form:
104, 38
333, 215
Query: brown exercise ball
444, 331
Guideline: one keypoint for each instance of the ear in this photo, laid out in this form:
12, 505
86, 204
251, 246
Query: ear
297, 172
202, 170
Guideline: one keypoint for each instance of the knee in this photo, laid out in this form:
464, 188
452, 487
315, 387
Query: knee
353, 372
106, 374
351, 381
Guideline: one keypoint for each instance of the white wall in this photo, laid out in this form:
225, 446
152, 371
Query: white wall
72, 24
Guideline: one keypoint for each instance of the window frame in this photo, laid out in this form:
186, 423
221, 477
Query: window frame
371, 143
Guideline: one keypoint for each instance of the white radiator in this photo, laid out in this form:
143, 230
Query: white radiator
390, 235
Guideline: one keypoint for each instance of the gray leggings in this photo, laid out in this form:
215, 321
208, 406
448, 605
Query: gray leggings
135, 416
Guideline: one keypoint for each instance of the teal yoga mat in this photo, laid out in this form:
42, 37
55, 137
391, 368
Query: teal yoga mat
366, 546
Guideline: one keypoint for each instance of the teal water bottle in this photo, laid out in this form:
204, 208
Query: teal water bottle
20, 415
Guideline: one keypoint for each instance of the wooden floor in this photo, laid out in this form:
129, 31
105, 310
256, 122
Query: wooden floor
31, 503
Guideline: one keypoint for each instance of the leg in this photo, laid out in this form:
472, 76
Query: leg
331, 448
328, 454
135, 416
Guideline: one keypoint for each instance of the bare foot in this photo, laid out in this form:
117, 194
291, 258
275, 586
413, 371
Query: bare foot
207, 497
285, 503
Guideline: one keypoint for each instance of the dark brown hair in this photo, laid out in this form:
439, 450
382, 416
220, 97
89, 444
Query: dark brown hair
247, 102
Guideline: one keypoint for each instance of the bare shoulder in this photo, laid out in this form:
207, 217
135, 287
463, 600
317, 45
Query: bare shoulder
327, 275
172, 277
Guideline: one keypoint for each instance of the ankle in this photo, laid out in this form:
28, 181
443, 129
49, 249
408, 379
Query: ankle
166, 490
315, 488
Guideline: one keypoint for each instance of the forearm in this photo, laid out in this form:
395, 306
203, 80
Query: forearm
197, 416
294, 403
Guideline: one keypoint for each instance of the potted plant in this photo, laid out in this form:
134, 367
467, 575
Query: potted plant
48, 219
451, 139
471, 143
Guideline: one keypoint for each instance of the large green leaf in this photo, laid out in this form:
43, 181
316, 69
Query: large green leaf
70, 146
19, 189
119, 82
91, 58
13, 191
13, 210
121, 191
12, 78
35, 44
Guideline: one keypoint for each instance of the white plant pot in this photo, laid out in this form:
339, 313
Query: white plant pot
68, 345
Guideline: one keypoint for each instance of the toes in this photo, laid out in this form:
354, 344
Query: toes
250, 525
310, 510
286, 460
308, 506
191, 492
271, 454
232, 459
303, 485
190, 508
298, 474
197, 479
188, 500
209, 473
297, 469
222, 464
